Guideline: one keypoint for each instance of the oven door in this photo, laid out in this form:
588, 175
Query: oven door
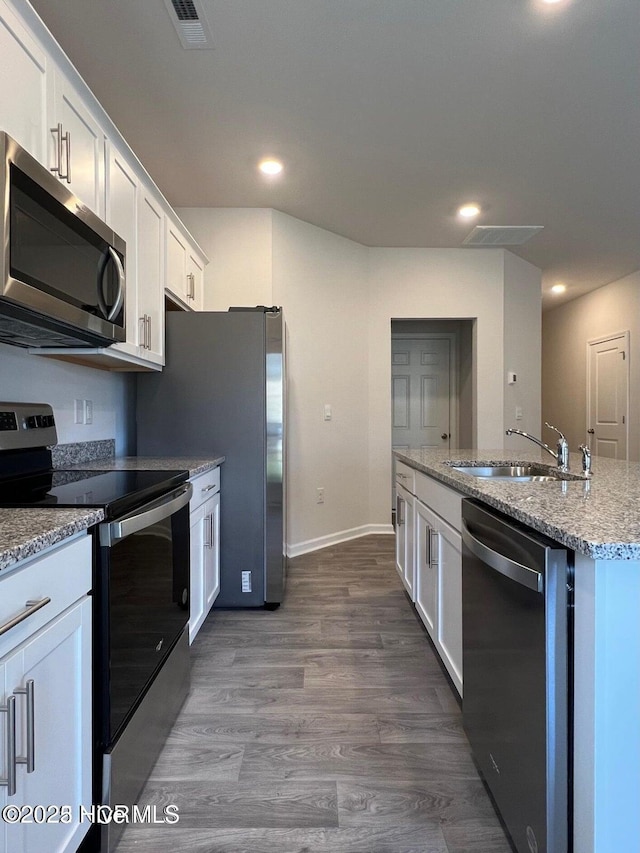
142, 603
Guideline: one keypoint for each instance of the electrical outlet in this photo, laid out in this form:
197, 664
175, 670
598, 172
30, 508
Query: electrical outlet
518, 413
88, 411
78, 411
246, 581
320, 496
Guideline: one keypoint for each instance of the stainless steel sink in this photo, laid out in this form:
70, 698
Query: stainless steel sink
513, 473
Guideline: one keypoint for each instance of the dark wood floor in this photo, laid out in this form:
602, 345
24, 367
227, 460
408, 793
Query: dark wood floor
325, 726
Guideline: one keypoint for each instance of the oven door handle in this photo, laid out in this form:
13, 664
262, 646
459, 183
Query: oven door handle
114, 531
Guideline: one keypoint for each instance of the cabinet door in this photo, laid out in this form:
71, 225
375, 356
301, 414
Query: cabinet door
426, 568
404, 538
195, 281
449, 641
198, 528
212, 552
23, 93
122, 216
151, 264
57, 660
401, 542
177, 263
83, 145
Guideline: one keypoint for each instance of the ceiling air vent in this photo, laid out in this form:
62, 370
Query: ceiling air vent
190, 23
501, 235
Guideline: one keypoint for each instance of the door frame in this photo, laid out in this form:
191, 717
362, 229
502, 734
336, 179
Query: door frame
601, 339
452, 337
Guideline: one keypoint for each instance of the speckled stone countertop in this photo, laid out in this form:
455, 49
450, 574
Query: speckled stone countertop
24, 532
599, 517
193, 464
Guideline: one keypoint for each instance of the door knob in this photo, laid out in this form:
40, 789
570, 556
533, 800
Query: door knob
591, 431
445, 435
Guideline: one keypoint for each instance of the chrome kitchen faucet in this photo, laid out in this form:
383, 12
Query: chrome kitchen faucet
560, 454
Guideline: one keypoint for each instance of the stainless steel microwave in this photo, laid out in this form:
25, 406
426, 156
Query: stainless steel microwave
62, 270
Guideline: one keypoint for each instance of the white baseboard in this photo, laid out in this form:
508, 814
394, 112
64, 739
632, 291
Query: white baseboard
309, 545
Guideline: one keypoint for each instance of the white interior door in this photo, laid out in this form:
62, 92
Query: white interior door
608, 391
421, 392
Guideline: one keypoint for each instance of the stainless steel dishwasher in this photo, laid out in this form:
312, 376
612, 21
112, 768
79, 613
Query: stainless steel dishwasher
516, 634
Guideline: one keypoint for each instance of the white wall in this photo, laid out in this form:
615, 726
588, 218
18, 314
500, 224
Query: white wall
339, 299
435, 283
238, 242
26, 378
565, 332
319, 279
522, 337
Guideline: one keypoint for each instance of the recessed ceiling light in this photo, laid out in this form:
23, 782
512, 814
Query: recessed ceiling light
270, 167
558, 288
468, 211
551, 2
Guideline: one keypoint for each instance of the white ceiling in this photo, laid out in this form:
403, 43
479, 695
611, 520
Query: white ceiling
388, 114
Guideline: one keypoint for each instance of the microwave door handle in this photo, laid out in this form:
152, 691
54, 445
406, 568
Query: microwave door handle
110, 313
114, 531
120, 297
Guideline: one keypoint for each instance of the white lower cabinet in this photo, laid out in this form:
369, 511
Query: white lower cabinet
426, 568
45, 689
204, 523
429, 550
404, 538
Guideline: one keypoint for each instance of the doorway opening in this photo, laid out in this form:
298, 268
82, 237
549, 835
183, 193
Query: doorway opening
431, 385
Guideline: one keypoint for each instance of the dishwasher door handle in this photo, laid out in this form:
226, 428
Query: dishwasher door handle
523, 575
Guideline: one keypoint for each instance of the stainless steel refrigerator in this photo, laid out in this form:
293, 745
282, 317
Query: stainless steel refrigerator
222, 392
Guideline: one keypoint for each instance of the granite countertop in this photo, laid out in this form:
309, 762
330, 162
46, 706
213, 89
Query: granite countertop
599, 517
193, 464
24, 532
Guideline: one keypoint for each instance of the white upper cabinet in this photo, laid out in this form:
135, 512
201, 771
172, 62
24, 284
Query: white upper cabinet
151, 266
185, 268
77, 145
48, 109
195, 280
23, 85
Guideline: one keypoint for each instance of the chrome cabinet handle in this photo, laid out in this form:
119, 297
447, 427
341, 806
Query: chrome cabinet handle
9, 782
428, 545
149, 329
142, 333
433, 560
191, 291
67, 139
399, 515
208, 531
208, 488
31, 607
60, 139
30, 758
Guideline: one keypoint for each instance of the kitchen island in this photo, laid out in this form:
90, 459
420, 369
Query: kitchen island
599, 520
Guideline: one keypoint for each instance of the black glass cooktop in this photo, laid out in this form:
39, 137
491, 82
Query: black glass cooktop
117, 492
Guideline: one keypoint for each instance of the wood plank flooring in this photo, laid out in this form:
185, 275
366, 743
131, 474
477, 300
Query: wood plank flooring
325, 726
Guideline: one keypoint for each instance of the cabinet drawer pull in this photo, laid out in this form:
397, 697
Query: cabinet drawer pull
10, 781
30, 758
31, 608
208, 488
